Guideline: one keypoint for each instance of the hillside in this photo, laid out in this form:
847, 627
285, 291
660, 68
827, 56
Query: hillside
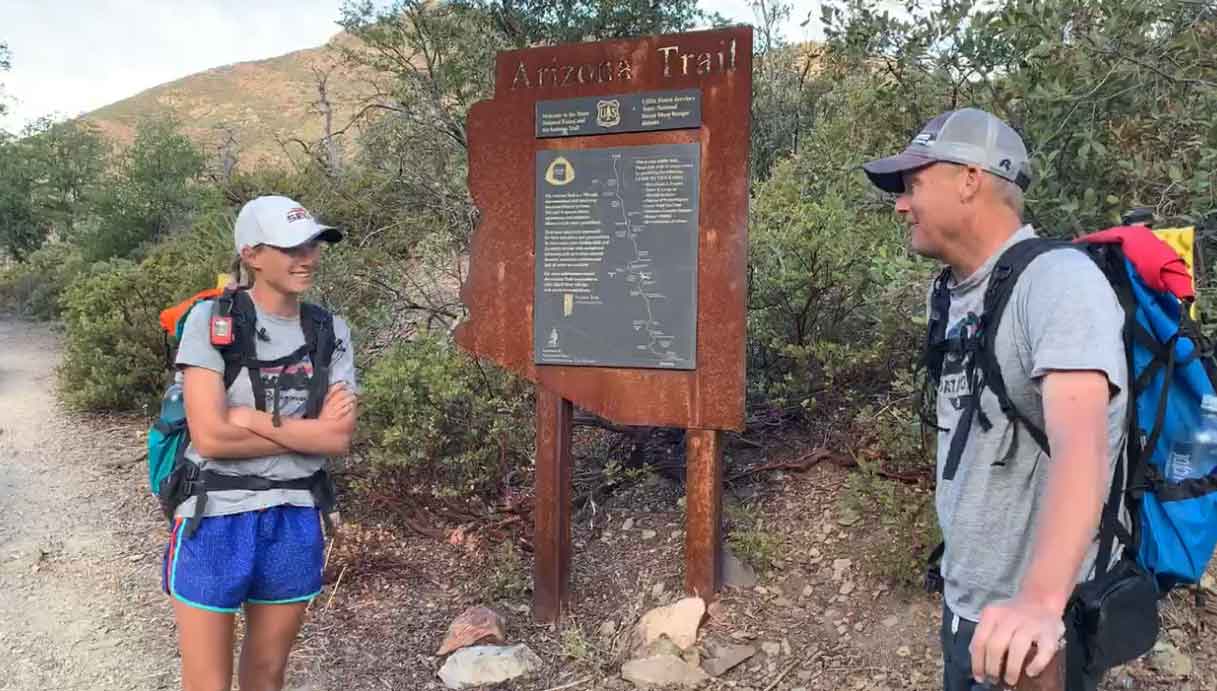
261, 103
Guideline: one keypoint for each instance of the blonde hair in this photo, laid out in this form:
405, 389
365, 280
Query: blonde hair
239, 268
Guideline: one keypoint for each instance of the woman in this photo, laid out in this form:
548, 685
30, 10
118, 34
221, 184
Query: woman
262, 548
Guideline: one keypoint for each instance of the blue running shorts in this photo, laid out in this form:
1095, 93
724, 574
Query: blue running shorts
270, 556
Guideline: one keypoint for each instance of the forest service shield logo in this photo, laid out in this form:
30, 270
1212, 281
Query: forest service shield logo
608, 113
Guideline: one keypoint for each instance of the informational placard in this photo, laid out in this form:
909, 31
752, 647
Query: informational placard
616, 256
637, 112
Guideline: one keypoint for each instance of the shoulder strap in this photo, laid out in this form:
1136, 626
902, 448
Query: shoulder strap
319, 340
936, 330
1006, 272
1001, 287
244, 349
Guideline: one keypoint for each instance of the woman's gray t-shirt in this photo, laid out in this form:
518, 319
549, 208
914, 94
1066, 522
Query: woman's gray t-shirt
278, 337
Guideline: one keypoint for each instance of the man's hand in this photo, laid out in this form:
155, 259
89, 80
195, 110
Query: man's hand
339, 402
1005, 634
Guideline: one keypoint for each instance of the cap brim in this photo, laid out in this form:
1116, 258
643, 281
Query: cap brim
888, 173
329, 234
323, 233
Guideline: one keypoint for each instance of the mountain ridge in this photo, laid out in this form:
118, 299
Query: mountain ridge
254, 107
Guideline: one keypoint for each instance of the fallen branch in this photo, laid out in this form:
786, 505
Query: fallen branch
434, 533
805, 660
906, 478
801, 464
335, 591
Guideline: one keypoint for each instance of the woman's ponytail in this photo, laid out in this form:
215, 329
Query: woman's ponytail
239, 268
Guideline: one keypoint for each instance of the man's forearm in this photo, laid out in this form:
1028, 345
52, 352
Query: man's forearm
1075, 413
1070, 516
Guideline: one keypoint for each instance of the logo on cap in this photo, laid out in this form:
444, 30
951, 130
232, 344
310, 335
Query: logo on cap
924, 139
298, 214
1005, 164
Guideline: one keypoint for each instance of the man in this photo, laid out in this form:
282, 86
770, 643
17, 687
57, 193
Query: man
1020, 527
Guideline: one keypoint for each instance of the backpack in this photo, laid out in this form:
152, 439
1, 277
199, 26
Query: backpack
171, 476
1170, 368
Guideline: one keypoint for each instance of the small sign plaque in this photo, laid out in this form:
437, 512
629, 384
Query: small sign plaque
637, 112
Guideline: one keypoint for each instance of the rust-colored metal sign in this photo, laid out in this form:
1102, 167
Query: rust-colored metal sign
569, 127
503, 148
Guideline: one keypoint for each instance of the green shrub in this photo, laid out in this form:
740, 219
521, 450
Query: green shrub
114, 352
894, 483
749, 538
831, 299
428, 406
33, 287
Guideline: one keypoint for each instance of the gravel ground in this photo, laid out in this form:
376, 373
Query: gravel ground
79, 544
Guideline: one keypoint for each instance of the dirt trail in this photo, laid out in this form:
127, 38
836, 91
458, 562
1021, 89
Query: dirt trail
79, 548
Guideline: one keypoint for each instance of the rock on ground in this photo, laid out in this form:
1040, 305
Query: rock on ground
725, 657
662, 670
736, 574
474, 625
487, 664
678, 621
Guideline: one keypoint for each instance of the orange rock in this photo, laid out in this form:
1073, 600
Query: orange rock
474, 625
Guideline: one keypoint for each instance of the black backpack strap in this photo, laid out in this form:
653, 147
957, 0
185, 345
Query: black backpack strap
1130, 467
936, 330
319, 339
1132, 474
244, 349
1006, 272
936, 348
1001, 288
934, 582
201, 483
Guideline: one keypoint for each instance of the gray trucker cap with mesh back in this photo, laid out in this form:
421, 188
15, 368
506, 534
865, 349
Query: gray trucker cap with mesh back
969, 137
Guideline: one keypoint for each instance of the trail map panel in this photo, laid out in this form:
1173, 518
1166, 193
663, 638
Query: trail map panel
616, 256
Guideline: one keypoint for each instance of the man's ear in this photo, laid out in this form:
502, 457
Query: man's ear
970, 182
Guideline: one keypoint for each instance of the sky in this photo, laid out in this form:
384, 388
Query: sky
74, 56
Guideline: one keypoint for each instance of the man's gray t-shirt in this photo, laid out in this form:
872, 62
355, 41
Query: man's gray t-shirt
279, 337
1063, 315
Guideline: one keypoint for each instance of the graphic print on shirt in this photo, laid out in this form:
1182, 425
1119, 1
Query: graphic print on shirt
293, 381
954, 386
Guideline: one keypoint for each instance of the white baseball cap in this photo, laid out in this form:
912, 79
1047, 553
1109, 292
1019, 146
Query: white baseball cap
279, 222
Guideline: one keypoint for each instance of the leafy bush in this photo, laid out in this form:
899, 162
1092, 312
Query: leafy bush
428, 406
32, 288
114, 354
749, 538
894, 484
903, 515
833, 290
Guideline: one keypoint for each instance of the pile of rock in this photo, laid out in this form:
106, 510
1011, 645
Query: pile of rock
665, 649
478, 654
